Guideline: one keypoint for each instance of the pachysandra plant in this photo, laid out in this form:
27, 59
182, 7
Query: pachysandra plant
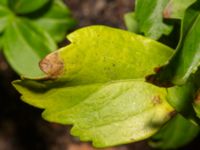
29, 30
117, 87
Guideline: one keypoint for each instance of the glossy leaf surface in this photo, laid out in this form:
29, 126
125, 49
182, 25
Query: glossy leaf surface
24, 6
175, 134
56, 21
96, 86
186, 59
149, 15
29, 45
5, 13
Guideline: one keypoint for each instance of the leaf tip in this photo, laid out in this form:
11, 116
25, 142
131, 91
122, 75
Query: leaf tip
52, 65
15, 83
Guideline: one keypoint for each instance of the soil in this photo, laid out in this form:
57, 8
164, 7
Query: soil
21, 126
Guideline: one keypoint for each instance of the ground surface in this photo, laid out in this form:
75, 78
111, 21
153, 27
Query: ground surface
21, 127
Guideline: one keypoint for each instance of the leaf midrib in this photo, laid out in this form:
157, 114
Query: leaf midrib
23, 40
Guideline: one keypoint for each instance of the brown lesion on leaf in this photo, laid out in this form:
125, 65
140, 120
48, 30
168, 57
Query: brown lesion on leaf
156, 100
52, 65
168, 10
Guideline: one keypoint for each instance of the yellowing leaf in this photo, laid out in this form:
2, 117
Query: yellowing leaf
108, 113
97, 84
99, 54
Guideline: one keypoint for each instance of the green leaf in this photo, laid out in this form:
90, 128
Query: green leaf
181, 97
25, 45
176, 8
4, 2
176, 133
188, 20
56, 21
5, 13
106, 113
131, 22
149, 15
190, 23
24, 6
98, 86
187, 57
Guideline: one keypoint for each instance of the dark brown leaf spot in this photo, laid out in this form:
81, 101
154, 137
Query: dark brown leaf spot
52, 65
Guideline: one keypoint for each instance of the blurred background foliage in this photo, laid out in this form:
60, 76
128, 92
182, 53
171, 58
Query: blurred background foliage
30, 30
